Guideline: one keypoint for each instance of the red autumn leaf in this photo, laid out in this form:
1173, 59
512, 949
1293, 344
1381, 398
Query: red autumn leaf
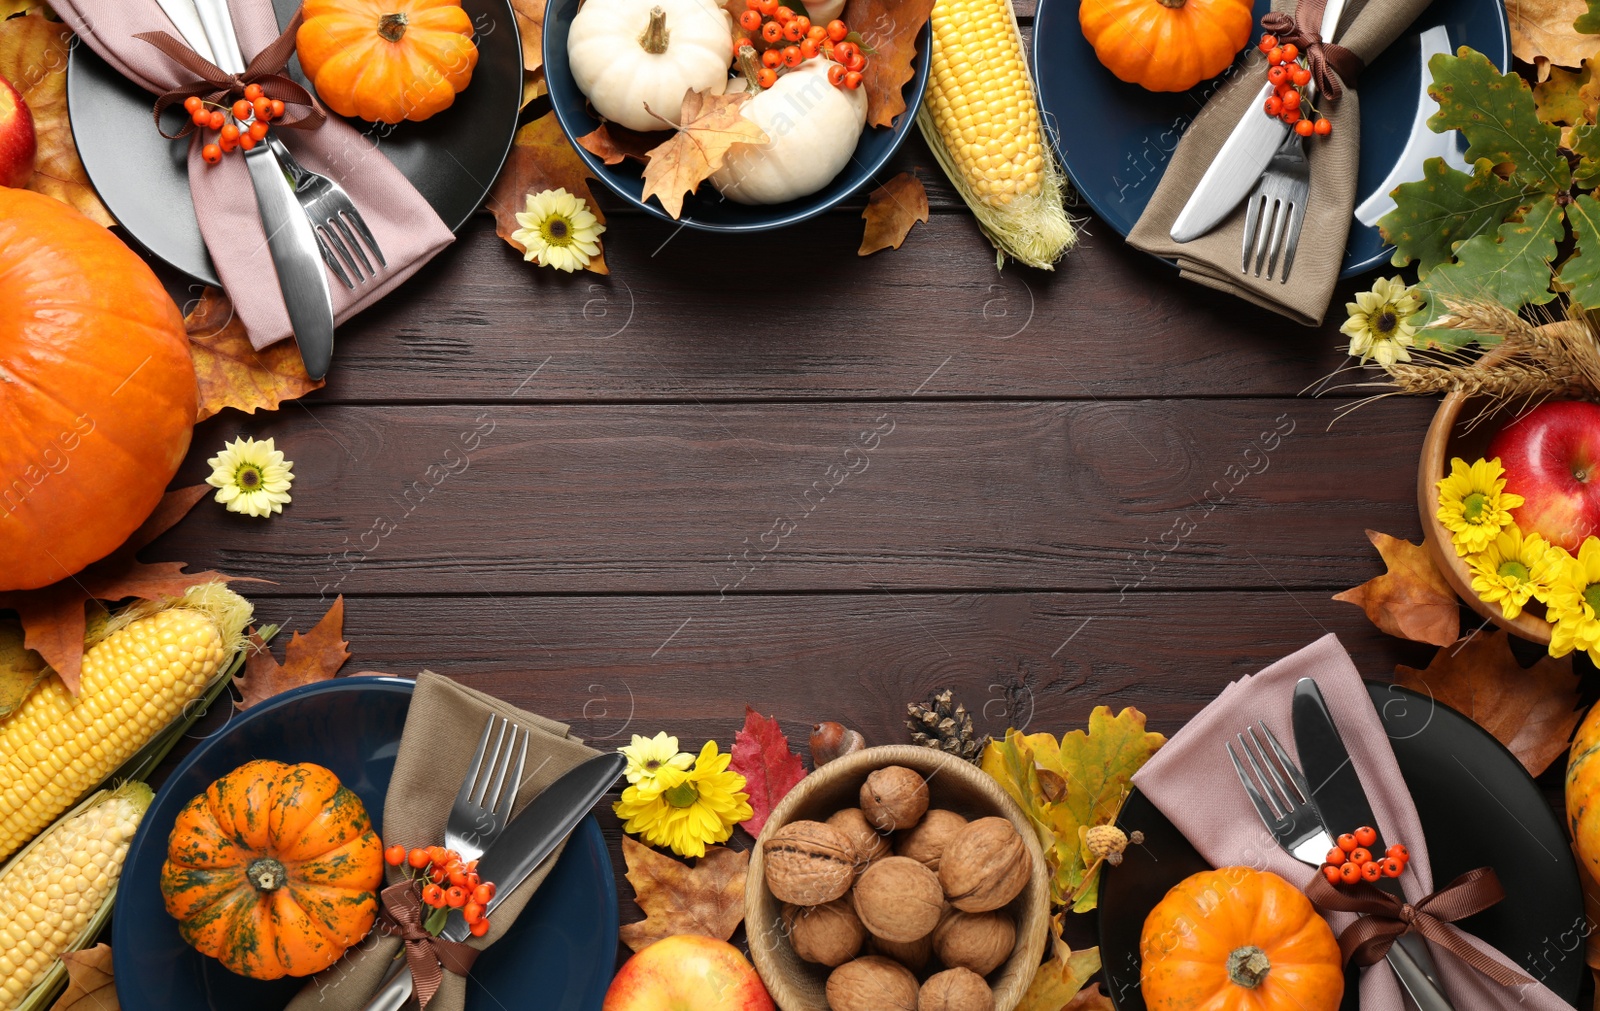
761, 754
315, 656
890, 28
1411, 600
891, 211
53, 616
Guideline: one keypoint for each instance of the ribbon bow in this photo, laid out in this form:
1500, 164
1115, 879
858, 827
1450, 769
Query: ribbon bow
1386, 917
425, 953
216, 86
1331, 64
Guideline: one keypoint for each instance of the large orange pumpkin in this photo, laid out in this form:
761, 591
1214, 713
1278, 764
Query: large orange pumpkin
387, 60
97, 392
274, 870
1238, 939
1166, 45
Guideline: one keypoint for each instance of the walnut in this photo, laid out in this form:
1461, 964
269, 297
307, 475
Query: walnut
894, 797
809, 863
898, 899
829, 934
872, 984
870, 844
914, 955
985, 865
925, 842
976, 941
956, 989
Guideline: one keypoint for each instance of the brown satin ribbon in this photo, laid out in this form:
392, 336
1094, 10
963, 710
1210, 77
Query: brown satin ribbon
218, 87
426, 955
1331, 65
1385, 917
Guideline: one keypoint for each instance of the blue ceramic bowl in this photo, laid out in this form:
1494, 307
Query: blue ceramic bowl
558, 956
706, 209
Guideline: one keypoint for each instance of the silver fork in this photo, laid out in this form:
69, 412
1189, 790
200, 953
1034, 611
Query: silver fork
1277, 209
1289, 813
483, 806
334, 219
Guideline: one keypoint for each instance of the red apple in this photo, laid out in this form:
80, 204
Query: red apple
1552, 459
18, 145
687, 973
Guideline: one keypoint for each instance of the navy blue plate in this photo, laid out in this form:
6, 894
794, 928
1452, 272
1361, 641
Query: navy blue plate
1114, 138
706, 209
558, 956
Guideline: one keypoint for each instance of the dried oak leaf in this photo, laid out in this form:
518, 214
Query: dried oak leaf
706, 899
21, 669
541, 159
612, 143
890, 28
1531, 711
1542, 33
709, 126
1411, 600
53, 616
1058, 982
761, 754
231, 372
530, 26
891, 211
33, 57
91, 986
315, 656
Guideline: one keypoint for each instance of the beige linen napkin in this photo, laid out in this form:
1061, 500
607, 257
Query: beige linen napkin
442, 731
1227, 831
404, 224
1367, 28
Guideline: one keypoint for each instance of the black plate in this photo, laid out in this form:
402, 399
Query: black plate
1478, 807
452, 159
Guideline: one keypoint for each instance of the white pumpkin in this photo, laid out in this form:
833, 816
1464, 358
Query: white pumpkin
629, 53
827, 10
813, 127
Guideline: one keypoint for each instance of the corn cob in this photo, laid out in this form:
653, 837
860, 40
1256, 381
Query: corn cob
153, 660
52, 894
980, 118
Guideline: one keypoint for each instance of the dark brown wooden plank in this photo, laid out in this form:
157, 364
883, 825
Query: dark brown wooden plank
697, 498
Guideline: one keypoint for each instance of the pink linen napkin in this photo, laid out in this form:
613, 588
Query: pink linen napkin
1227, 831
403, 223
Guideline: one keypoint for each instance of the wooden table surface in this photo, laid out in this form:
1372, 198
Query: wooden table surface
761, 470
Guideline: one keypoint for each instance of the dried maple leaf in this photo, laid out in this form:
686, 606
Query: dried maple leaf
33, 57
613, 143
891, 211
21, 669
1090, 999
1531, 711
890, 27
315, 656
231, 372
1411, 600
533, 85
706, 899
92, 987
709, 126
1542, 33
761, 754
530, 26
53, 616
1059, 981
541, 159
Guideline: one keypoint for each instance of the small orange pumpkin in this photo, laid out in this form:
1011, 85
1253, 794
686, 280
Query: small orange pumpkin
1583, 792
387, 60
1166, 45
274, 870
1238, 939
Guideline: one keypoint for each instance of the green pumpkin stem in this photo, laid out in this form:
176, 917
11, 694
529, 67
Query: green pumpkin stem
266, 874
1248, 966
654, 39
392, 27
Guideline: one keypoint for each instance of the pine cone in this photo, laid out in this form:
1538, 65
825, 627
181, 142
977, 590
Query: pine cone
945, 724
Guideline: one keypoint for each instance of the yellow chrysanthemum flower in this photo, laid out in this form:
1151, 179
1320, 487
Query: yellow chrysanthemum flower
1474, 505
1514, 569
1573, 606
647, 756
685, 810
1380, 324
251, 477
558, 230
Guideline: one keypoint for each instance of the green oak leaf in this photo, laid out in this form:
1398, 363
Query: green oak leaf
1588, 22
1580, 274
1446, 207
1497, 115
1511, 267
1562, 98
1585, 143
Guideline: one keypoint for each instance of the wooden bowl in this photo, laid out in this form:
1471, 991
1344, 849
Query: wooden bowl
1446, 440
797, 985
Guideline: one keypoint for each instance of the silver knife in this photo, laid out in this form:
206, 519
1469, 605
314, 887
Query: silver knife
531, 837
1423, 142
290, 240
1244, 156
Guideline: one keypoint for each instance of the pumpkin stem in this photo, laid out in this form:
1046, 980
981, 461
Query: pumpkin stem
1174, 4
266, 874
1248, 966
750, 67
654, 39
392, 27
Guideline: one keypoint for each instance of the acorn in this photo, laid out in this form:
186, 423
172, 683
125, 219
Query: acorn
833, 740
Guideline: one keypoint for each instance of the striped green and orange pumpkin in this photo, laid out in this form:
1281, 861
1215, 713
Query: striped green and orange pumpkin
274, 870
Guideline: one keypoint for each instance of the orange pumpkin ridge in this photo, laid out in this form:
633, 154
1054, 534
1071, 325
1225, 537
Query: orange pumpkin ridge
387, 60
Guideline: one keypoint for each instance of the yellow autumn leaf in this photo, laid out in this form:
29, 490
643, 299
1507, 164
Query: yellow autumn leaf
709, 126
21, 669
1058, 981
